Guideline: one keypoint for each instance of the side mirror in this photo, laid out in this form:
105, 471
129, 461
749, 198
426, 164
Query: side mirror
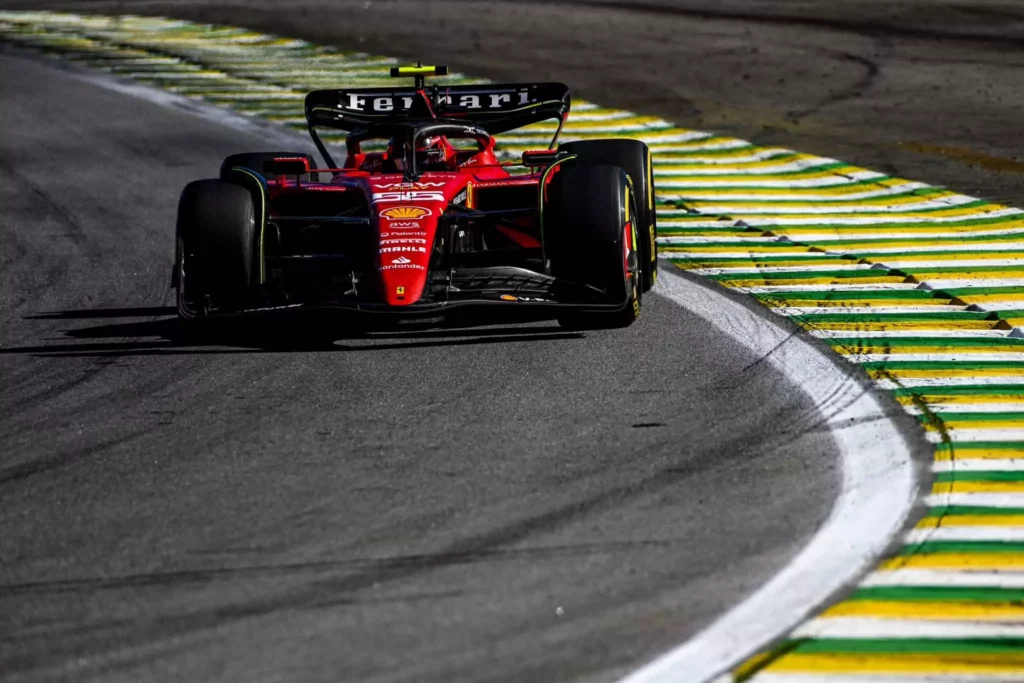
286, 166
542, 157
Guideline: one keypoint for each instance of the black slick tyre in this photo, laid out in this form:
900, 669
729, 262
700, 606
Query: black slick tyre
217, 248
590, 218
635, 158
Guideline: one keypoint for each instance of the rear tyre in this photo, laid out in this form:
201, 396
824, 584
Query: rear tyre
256, 161
590, 216
635, 158
217, 248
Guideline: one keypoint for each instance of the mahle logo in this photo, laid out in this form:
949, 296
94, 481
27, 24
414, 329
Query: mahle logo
405, 213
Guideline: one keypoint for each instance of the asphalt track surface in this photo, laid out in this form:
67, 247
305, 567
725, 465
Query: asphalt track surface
509, 504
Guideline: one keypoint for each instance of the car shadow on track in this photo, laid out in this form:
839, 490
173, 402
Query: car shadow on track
156, 332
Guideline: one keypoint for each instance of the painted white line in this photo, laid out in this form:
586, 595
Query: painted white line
967, 533
756, 182
946, 577
938, 382
879, 486
958, 260
723, 159
652, 138
899, 334
967, 434
855, 627
901, 234
602, 115
726, 239
797, 220
968, 464
938, 357
625, 130
976, 280
995, 500
670, 170
766, 250
827, 209
874, 310
803, 196
849, 288
810, 268
712, 144
996, 305
865, 627
878, 247
940, 408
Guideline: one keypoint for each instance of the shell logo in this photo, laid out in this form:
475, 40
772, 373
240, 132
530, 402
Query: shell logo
405, 213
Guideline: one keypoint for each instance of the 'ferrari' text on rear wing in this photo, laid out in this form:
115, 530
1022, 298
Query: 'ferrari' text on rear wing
496, 108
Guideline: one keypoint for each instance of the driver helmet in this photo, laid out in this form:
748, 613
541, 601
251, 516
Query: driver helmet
435, 153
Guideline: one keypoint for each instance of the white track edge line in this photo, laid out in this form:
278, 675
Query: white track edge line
878, 492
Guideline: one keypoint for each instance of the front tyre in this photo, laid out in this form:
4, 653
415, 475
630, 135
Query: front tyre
591, 215
634, 157
217, 249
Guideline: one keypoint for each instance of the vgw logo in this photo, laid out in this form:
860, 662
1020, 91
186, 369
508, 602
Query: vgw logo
407, 186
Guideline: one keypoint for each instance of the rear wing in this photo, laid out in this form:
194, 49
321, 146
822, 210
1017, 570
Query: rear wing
497, 108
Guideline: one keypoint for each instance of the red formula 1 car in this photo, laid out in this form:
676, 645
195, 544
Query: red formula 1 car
421, 219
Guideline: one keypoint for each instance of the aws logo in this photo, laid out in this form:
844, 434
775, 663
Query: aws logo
405, 213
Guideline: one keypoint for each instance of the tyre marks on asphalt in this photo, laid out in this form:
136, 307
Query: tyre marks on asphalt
921, 286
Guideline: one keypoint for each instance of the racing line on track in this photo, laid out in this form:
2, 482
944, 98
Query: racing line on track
921, 287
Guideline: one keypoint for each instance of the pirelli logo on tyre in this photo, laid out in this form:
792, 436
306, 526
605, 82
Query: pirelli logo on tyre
405, 213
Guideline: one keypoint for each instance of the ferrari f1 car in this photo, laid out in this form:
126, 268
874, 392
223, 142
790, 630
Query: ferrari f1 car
421, 219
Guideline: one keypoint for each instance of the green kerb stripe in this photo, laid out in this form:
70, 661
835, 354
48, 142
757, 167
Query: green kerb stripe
962, 547
993, 475
969, 390
972, 510
1006, 343
911, 645
939, 593
945, 365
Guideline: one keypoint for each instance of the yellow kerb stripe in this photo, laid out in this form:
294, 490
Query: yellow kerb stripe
768, 280
966, 399
865, 303
738, 247
970, 520
909, 325
879, 346
939, 609
980, 486
979, 453
975, 561
980, 298
908, 663
966, 372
